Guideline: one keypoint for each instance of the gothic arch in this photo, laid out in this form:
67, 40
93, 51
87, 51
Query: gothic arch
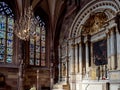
110, 8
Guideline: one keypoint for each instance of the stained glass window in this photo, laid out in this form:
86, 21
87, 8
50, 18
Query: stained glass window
37, 46
6, 33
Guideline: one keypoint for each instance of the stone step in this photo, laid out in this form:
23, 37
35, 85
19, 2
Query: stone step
57, 89
61, 86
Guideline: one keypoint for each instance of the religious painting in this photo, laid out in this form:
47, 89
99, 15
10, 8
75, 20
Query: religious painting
100, 52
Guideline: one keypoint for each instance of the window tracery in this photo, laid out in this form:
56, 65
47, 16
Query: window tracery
6, 33
37, 45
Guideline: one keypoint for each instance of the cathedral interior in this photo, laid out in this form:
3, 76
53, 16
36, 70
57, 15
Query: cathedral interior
60, 44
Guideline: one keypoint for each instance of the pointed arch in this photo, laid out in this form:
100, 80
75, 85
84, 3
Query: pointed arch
6, 33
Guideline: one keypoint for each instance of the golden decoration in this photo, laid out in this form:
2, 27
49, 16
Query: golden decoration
94, 23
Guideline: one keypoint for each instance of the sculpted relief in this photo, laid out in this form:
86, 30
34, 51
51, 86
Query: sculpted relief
94, 23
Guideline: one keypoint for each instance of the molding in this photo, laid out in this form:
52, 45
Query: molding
109, 7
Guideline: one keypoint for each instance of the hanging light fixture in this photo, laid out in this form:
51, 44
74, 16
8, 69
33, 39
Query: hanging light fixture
26, 24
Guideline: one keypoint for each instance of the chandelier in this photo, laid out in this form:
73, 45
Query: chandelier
26, 24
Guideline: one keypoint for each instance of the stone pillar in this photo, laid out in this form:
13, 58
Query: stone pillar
118, 49
108, 50
80, 60
51, 76
113, 49
38, 85
67, 63
20, 76
73, 59
73, 76
87, 55
115, 46
87, 59
70, 59
60, 64
76, 59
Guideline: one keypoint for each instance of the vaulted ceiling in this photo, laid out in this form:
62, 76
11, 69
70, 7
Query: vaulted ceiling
52, 8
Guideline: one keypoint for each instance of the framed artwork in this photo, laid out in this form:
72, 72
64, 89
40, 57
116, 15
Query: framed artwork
100, 52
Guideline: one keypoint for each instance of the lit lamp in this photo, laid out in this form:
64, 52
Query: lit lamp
25, 26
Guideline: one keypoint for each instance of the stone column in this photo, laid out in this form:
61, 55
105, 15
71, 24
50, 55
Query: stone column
67, 63
118, 48
73, 59
108, 50
51, 76
76, 59
87, 54
77, 76
113, 49
73, 76
70, 59
87, 59
38, 85
80, 60
60, 64
20, 76
115, 46
92, 56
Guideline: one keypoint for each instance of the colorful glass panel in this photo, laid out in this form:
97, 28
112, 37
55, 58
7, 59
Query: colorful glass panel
38, 29
2, 50
6, 33
10, 21
2, 22
9, 43
42, 49
10, 35
32, 41
9, 51
38, 55
31, 54
42, 55
37, 47
38, 42
42, 62
31, 61
1, 57
9, 59
2, 41
10, 28
37, 62
10, 40
2, 34
43, 37
10, 25
31, 47
42, 43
